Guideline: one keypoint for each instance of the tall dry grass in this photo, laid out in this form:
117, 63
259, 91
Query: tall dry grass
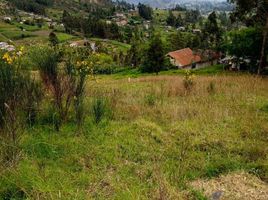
232, 96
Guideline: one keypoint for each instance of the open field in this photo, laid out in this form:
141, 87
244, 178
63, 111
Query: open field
31, 35
155, 140
112, 45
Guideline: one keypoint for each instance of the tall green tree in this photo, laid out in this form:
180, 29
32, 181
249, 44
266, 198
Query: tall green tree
171, 19
179, 20
176, 41
254, 12
145, 11
211, 32
53, 39
245, 43
154, 58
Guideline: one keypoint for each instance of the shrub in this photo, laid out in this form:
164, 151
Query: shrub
47, 59
63, 74
211, 88
19, 99
99, 109
188, 81
150, 99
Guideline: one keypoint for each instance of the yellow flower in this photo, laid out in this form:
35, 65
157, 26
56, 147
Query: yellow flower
7, 58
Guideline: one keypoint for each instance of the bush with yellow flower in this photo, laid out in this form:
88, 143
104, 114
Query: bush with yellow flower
188, 80
13, 57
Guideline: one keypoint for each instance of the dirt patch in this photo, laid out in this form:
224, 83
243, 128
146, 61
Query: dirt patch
42, 33
234, 186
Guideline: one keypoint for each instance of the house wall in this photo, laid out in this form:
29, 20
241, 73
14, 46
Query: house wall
198, 65
205, 64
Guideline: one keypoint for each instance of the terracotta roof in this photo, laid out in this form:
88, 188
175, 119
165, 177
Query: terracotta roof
185, 56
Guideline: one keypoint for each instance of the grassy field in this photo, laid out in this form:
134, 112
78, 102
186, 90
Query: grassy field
112, 44
154, 140
63, 37
31, 35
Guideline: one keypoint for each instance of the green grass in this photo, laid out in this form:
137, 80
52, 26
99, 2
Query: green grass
211, 70
154, 139
3, 38
28, 27
13, 32
113, 44
63, 37
16, 35
134, 72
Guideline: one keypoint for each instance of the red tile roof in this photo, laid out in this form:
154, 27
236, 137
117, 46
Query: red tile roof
185, 56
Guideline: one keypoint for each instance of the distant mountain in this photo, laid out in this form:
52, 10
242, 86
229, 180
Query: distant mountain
203, 5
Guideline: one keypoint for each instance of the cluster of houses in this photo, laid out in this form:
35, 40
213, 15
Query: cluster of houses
119, 18
195, 31
31, 18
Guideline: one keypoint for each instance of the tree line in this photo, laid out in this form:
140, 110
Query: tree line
35, 6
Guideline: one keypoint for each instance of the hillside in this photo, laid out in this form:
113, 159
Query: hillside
152, 142
40, 7
108, 100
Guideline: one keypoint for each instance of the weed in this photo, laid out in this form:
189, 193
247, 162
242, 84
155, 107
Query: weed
188, 81
18, 103
150, 99
99, 109
211, 88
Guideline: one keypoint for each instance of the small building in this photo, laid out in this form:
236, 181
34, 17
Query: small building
181, 28
122, 23
120, 15
7, 19
188, 59
108, 22
184, 58
74, 44
197, 31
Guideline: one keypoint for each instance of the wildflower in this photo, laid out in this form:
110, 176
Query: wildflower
7, 58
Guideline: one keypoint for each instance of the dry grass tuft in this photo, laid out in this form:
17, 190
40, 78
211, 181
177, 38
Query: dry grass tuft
234, 186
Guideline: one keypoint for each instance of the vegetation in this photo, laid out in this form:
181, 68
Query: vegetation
36, 6
91, 106
154, 60
145, 11
153, 144
258, 16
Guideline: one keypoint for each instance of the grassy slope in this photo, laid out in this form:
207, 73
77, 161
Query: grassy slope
113, 44
12, 32
154, 139
134, 72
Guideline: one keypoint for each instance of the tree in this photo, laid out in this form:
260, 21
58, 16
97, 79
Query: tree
179, 20
154, 59
179, 8
145, 12
176, 41
245, 43
67, 21
135, 52
254, 12
192, 16
211, 32
53, 39
171, 19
